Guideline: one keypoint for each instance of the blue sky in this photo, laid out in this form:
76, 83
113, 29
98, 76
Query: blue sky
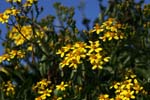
91, 10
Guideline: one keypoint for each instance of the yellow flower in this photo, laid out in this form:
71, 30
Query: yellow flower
7, 11
74, 62
103, 38
14, 1
63, 50
41, 84
38, 98
137, 87
6, 14
42, 89
56, 98
97, 29
78, 54
62, 86
129, 94
29, 3
9, 88
132, 76
81, 46
97, 65
67, 47
110, 35
118, 25
116, 86
107, 24
11, 55
113, 29
104, 97
64, 63
4, 57
4, 18
95, 58
11, 11
116, 37
45, 93
94, 47
59, 98
14, 12
118, 97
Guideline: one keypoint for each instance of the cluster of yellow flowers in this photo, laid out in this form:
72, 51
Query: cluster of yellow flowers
73, 54
14, 1
7, 13
11, 55
29, 3
125, 90
43, 89
4, 17
21, 34
110, 29
8, 88
96, 57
